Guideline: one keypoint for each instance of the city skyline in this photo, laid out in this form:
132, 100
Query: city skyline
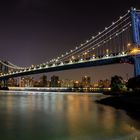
36, 31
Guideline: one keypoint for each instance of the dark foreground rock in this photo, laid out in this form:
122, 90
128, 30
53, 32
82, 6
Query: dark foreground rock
129, 103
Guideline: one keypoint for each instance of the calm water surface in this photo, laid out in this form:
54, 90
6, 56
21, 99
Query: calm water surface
57, 116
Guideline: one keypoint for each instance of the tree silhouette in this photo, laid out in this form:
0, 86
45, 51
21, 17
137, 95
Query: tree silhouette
117, 83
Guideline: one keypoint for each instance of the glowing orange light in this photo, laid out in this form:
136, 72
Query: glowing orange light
135, 51
77, 82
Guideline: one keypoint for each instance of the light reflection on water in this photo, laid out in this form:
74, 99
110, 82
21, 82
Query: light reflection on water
54, 116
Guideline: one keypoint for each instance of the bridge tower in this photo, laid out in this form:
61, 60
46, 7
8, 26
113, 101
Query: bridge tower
4, 69
135, 16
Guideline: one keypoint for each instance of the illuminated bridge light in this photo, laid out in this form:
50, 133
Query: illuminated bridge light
70, 61
61, 63
129, 44
135, 51
73, 57
123, 53
85, 53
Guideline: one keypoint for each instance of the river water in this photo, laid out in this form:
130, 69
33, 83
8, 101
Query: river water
62, 116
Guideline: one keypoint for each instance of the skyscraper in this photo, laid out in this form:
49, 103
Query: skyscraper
54, 81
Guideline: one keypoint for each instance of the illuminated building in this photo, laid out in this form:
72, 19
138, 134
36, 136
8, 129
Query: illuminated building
12, 82
26, 81
76, 84
86, 81
67, 83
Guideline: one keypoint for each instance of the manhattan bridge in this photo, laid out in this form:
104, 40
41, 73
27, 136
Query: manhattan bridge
117, 43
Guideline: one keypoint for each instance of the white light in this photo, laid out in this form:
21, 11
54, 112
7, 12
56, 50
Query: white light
113, 23
99, 33
87, 41
93, 48
110, 38
135, 9
116, 34
93, 37
106, 28
120, 17
71, 50
76, 48
128, 11
70, 61
81, 44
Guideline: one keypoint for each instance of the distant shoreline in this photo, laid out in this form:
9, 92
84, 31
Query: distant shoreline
54, 89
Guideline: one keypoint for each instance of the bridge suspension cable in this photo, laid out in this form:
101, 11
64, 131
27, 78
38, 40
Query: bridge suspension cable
122, 20
105, 40
10, 65
16, 67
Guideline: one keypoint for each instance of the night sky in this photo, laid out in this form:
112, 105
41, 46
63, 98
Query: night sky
34, 31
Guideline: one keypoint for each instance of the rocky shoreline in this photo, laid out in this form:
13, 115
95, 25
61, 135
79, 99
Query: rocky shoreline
128, 102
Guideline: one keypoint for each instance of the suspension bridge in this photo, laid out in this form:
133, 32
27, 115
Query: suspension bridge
117, 43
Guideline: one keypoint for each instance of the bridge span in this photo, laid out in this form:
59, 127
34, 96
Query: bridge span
117, 43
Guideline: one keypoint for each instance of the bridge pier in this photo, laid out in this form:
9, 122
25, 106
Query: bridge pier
4, 82
137, 65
